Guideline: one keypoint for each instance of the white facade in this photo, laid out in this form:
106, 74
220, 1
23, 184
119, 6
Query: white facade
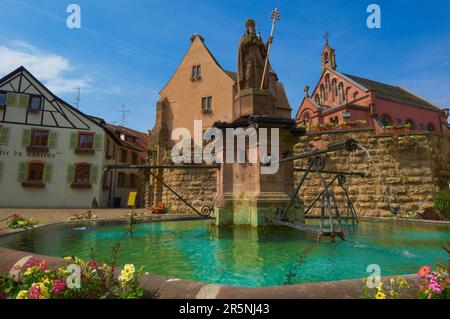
51, 155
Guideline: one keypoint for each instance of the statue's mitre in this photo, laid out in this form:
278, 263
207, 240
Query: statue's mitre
250, 23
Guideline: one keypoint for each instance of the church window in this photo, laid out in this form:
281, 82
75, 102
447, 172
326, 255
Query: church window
322, 93
327, 83
317, 98
334, 87
347, 94
341, 92
355, 95
430, 127
326, 58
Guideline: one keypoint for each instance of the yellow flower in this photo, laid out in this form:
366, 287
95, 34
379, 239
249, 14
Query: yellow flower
42, 289
392, 292
79, 262
380, 295
402, 282
129, 268
23, 294
62, 271
47, 281
392, 281
68, 258
30, 271
126, 274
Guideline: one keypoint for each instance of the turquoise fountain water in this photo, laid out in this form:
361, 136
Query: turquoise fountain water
240, 256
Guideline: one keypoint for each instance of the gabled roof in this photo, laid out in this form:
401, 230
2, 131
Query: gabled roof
231, 75
391, 92
142, 138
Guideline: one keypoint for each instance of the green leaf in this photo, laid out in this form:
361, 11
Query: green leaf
22, 174
26, 138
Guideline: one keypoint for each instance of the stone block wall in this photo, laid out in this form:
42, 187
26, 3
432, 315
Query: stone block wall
411, 172
197, 187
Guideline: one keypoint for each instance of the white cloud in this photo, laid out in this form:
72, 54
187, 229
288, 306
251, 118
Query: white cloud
49, 68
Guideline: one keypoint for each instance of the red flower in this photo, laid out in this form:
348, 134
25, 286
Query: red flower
424, 271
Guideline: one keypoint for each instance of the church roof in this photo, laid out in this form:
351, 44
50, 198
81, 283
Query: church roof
391, 92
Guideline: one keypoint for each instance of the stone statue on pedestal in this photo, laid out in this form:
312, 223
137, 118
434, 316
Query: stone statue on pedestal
251, 59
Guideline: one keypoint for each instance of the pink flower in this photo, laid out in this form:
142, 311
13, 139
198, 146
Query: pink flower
32, 262
34, 292
424, 271
43, 265
58, 286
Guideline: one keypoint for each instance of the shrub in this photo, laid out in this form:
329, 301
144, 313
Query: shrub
18, 221
442, 204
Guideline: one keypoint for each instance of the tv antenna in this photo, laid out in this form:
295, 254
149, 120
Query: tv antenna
76, 100
124, 112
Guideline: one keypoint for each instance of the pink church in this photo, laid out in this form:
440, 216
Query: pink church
343, 100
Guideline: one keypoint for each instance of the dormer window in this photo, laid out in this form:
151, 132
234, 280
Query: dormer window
196, 72
35, 103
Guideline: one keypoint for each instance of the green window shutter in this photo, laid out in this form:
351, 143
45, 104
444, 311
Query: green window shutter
70, 173
94, 174
22, 174
52, 140
4, 135
73, 141
48, 170
2, 169
26, 137
98, 142
11, 99
23, 100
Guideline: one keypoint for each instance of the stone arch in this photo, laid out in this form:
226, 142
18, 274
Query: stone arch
386, 120
431, 127
411, 123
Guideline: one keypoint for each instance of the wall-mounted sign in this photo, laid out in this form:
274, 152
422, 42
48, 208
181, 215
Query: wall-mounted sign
15, 153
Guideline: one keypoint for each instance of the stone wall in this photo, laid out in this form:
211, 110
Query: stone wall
412, 171
197, 187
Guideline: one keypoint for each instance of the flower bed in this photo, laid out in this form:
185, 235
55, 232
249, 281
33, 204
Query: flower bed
85, 216
19, 222
410, 140
78, 280
340, 125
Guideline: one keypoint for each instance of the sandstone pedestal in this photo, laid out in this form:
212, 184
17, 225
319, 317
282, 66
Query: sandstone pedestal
244, 195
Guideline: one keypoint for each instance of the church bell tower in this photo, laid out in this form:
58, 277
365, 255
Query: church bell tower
328, 55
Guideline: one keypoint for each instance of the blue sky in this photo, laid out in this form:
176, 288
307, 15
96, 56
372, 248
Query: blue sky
127, 50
